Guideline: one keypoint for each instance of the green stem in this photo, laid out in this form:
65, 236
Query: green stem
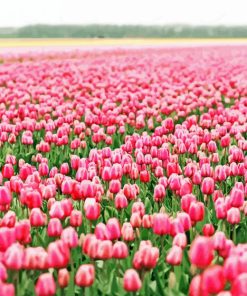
62, 292
234, 236
16, 282
83, 291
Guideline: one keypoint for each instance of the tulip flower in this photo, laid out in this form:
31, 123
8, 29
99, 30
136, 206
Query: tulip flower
120, 250
45, 285
161, 224
207, 186
105, 151
85, 275
174, 256
132, 282
213, 280
63, 277
201, 252
92, 209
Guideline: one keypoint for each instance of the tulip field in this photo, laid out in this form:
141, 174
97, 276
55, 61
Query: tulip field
123, 172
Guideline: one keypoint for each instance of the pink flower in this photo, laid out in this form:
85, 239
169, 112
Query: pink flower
161, 224
13, 257
127, 232
75, 218
54, 227
239, 286
208, 230
120, 250
70, 237
196, 211
233, 216
5, 196
63, 277
114, 186
213, 280
121, 201
92, 209
58, 254
175, 255
37, 218
180, 240
85, 275
201, 252
45, 285
132, 282
113, 228
207, 186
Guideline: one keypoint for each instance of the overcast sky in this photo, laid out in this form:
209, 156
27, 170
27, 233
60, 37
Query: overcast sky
210, 12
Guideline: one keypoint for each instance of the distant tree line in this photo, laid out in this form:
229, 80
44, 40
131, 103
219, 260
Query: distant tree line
123, 31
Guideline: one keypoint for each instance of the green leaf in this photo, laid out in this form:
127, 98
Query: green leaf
160, 287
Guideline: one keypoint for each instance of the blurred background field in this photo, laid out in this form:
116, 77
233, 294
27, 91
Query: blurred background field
124, 31
80, 43
113, 41
94, 23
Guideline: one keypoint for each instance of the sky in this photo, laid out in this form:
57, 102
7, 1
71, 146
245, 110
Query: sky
15, 13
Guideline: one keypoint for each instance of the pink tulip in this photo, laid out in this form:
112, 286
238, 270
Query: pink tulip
186, 201
7, 289
113, 228
159, 192
233, 216
63, 277
231, 268
13, 257
45, 285
104, 250
237, 197
136, 220
201, 252
147, 221
239, 286
120, 250
185, 219
23, 231
161, 224
121, 201
180, 240
92, 209
132, 282
8, 171
208, 230
138, 207
175, 255
196, 211
70, 237
58, 254
54, 227
127, 232
3, 273
85, 275
146, 257
37, 218
5, 196
195, 286
207, 186
114, 186
8, 220
213, 280
145, 177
